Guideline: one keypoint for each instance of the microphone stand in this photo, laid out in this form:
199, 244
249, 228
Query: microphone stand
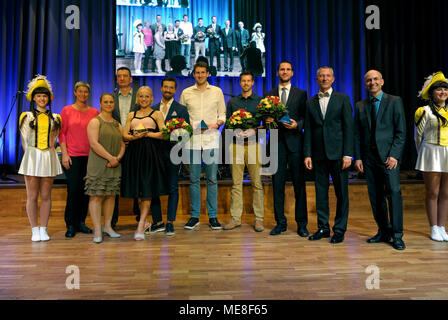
3, 177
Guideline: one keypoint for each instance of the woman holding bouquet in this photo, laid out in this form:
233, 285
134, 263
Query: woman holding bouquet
143, 166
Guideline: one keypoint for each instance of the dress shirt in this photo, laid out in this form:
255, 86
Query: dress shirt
162, 104
124, 102
187, 28
288, 90
323, 102
377, 102
208, 106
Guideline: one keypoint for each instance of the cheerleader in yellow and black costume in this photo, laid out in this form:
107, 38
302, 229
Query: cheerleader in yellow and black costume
39, 130
432, 145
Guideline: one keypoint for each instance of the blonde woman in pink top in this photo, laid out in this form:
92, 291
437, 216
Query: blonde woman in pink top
75, 153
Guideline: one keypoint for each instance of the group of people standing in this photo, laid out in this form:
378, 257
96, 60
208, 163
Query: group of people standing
121, 150
163, 42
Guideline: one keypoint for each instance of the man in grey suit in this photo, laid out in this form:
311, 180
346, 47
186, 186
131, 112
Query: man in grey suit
380, 135
328, 149
124, 99
228, 45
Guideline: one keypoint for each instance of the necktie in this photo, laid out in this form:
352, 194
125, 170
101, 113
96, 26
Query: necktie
283, 98
374, 113
374, 106
165, 109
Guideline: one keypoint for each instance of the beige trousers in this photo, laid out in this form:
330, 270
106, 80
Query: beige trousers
246, 155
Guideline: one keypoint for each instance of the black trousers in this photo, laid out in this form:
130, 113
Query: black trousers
77, 201
384, 184
322, 170
136, 210
295, 162
146, 65
215, 51
228, 55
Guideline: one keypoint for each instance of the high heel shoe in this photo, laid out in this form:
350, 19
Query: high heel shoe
98, 240
139, 236
111, 234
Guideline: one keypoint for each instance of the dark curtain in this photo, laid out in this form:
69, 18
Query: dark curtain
35, 40
410, 45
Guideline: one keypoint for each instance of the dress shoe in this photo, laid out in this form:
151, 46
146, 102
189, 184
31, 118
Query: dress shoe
379, 237
321, 233
84, 229
398, 244
259, 226
232, 224
303, 232
278, 229
337, 238
70, 232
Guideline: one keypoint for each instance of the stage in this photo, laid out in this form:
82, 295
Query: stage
223, 265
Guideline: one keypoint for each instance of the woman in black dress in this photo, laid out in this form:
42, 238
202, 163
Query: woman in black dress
143, 167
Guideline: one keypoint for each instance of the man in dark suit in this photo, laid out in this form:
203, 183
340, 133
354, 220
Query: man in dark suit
251, 59
170, 109
290, 152
228, 45
214, 34
124, 99
380, 135
242, 42
328, 149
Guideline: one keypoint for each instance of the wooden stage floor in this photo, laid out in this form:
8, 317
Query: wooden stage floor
227, 265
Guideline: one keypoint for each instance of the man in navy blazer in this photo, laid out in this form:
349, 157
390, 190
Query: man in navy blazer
380, 136
328, 149
290, 152
170, 109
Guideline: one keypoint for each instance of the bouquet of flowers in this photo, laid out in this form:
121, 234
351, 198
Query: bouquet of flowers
212, 33
176, 127
241, 119
271, 107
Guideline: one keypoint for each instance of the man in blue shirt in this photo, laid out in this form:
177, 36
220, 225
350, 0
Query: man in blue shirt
247, 153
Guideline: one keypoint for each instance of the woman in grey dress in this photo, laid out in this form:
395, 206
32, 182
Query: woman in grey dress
159, 48
103, 168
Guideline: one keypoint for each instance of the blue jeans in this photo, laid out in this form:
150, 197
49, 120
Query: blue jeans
195, 184
185, 51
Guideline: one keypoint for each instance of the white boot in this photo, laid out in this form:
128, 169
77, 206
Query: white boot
36, 234
435, 234
442, 232
43, 234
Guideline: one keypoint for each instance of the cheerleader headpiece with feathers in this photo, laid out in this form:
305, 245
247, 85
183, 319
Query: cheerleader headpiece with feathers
435, 77
39, 82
